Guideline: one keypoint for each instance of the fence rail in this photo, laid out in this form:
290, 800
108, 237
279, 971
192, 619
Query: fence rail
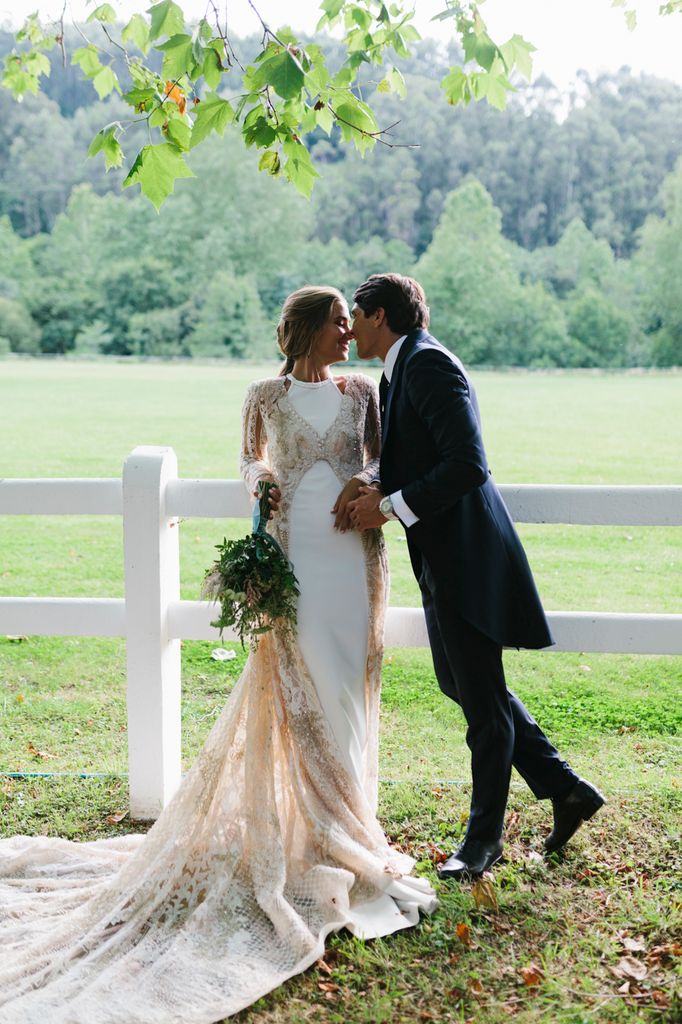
150, 497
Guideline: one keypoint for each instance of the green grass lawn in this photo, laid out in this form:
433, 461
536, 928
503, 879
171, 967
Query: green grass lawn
560, 945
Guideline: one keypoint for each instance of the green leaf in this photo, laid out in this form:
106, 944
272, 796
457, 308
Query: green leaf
357, 123
105, 142
137, 32
492, 86
451, 12
105, 81
37, 64
456, 86
167, 19
139, 98
212, 68
270, 162
87, 59
177, 56
516, 52
631, 20
156, 169
299, 168
212, 115
179, 131
283, 73
325, 119
104, 13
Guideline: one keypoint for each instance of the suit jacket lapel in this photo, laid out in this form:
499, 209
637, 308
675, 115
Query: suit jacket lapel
410, 341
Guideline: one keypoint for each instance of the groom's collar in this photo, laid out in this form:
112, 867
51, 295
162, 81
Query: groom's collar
412, 337
391, 357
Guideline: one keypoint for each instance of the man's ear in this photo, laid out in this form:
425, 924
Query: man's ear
379, 316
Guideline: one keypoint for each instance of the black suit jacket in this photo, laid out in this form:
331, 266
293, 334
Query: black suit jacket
432, 450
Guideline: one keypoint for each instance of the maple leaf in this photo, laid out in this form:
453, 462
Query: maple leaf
175, 93
155, 171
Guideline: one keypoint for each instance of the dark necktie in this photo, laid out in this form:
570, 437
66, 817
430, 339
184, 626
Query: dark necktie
383, 391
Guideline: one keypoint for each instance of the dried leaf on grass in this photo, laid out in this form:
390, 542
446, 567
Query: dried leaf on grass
463, 933
42, 754
113, 819
532, 975
483, 892
629, 967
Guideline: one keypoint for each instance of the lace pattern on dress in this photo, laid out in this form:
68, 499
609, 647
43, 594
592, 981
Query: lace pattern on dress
266, 845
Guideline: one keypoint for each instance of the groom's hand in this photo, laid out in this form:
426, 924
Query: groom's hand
340, 510
364, 511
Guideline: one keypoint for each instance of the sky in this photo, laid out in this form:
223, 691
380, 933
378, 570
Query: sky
569, 34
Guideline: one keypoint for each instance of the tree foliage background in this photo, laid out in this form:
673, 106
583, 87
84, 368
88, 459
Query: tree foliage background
547, 234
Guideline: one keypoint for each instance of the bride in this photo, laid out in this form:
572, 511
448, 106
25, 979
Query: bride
272, 841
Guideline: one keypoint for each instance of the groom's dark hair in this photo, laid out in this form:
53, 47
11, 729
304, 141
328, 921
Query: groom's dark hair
401, 298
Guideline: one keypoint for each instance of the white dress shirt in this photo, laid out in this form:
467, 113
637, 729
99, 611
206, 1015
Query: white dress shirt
400, 506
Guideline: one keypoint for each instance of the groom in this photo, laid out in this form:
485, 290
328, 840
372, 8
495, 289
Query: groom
476, 585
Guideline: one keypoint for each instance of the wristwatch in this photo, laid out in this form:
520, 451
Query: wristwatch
386, 508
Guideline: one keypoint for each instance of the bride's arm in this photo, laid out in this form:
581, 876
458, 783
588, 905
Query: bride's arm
370, 470
372, 437
253, 464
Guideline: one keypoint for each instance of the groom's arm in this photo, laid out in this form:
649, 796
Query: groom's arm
440, 396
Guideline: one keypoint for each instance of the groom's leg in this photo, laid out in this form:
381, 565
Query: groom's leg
535, 758
468, 667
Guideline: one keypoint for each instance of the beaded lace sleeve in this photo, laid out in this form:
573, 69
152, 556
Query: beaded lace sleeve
371, 433
253, 464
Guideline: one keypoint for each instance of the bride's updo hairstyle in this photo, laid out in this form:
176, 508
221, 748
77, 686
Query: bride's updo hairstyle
304, 313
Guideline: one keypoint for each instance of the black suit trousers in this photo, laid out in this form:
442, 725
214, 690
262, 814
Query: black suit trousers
500, 731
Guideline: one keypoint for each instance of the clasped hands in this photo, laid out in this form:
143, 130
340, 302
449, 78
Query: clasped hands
356, 508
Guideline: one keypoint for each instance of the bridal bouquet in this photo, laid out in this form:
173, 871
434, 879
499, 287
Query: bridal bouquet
253, 581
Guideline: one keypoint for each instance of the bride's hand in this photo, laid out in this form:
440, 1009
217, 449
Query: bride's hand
274, 498
340, 510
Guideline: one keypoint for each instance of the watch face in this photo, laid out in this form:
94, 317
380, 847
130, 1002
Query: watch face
385, 506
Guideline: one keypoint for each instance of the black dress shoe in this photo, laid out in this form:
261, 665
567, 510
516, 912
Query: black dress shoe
579, 805
473, 858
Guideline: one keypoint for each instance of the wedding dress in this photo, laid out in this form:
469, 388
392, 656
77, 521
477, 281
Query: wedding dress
271, 841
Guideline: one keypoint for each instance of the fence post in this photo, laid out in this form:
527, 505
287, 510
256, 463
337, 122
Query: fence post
152, 581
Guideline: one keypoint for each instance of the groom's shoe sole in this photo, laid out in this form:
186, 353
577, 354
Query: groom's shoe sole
581, 804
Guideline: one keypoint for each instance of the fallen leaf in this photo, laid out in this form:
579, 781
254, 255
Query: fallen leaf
475, 986
532, 975
633, 945
17, 638
585, 668
632, 968
463, 933
624, 989
327, 986
324, 966
113, 819
483, 892
20, 698
438, 856
660, 998
42, 754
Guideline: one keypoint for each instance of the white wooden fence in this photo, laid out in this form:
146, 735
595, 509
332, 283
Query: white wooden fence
153, 619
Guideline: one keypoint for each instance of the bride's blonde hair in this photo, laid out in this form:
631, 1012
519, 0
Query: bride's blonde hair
304, 314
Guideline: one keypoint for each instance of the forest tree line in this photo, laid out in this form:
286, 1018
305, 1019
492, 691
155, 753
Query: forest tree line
546, 235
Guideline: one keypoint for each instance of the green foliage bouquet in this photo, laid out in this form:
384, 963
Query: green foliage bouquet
253, 581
